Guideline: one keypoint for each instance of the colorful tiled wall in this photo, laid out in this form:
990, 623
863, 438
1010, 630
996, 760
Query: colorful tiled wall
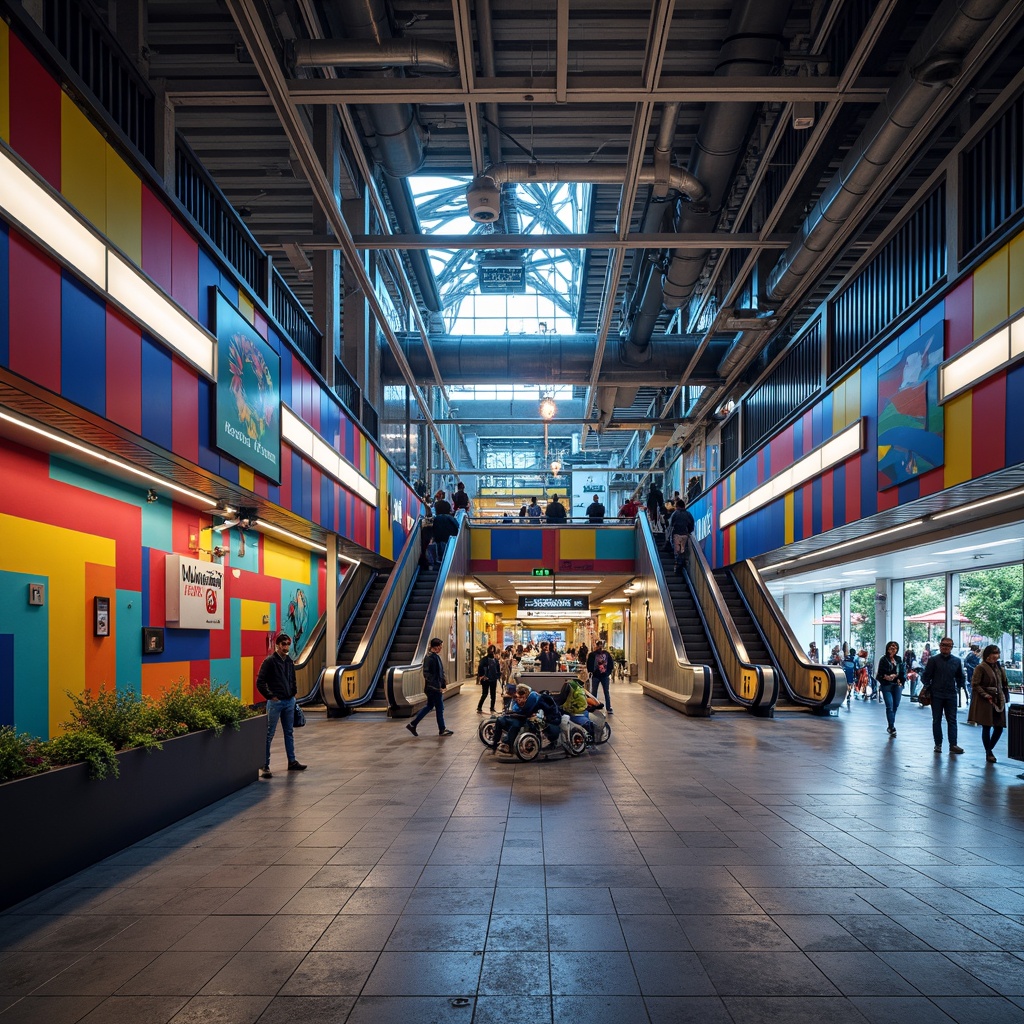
514, 549
57, 333
982, 433
82, 535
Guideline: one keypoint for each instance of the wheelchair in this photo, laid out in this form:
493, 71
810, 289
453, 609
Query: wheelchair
531, 741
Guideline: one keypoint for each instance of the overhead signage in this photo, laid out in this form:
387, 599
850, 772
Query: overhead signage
540, 572
248, 407
194, 593
555, 603
501, 277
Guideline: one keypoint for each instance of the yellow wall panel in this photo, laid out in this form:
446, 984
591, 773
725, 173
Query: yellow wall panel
247, 308
479, 543
124, 207
838, 406
1016, 274
577, 544
246, 478
284, 561
992, 292
958, 440
248, 688
255, 615
62, 556
5, 82
83, 165
787, 506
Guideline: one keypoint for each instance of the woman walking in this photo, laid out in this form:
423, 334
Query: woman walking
989, 697
891, 676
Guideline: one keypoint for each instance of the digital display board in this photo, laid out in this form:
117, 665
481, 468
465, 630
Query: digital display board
555, 603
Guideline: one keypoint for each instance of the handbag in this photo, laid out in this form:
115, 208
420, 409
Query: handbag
924, 698
299, 717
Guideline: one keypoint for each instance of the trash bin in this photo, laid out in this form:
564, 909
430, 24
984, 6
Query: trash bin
1015, 740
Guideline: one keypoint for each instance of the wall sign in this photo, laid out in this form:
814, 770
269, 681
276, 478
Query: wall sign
194, 593
248, 407
563, 603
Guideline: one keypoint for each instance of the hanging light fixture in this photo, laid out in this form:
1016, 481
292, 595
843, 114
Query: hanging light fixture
548, 408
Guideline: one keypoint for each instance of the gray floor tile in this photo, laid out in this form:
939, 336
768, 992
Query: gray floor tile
765, 974
671, 974
438, 933
691, 1010
252, 974
135, 1010
330, 974
599, 1010
888, 1010
933, 974
584, 931
95, 974
49, 1009
593, 973
21, 973
416, 974
861, 974
310, 1009
221, 1010
515, 973
788, 1010
172, 974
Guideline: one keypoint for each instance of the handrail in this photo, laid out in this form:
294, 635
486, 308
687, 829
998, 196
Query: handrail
754, 686
404, 684
311, 662
821, 688
348, 686
680, 683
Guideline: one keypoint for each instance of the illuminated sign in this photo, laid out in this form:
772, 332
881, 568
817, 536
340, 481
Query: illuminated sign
540, 572
194, 594
559, 603
501, 277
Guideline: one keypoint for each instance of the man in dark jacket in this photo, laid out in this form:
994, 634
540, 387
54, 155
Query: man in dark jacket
595, 511
555, 512
445, 526
434, 684
680, 526
941, 676
487, 673
276, 682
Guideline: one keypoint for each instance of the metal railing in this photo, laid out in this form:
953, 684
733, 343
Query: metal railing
819, 687
666, 674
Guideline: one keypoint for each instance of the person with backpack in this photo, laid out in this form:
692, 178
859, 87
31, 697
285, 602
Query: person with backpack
534, 511
599, 665
460, 499
572, 699
680, 526
555, 512
487, 675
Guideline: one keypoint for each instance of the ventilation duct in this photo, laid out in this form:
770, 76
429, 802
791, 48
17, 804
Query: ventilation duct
373, 55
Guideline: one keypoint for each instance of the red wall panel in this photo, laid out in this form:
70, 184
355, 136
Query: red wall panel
35, 113
124, 372
35, 327
184, 411
959, 307
988, 426
157, 260
185, 270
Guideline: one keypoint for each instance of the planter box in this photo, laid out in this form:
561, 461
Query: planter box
62, 821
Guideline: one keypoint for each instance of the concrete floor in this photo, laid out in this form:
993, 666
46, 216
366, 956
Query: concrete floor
723, 870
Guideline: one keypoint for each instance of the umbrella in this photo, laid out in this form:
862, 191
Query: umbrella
936, 617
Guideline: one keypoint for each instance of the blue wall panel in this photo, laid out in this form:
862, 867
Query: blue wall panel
83, 356
157, 394
6, 679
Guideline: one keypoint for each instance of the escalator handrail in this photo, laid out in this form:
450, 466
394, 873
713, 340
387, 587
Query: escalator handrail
333, 673
744, 573
431, 614
661, 587
766, 688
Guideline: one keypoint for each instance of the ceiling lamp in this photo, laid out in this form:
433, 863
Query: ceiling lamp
548, 407
556, 467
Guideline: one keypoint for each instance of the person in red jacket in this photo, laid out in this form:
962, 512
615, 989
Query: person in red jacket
629, 509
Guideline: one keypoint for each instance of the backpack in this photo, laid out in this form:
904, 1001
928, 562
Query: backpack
602, 663
681, 521
552, 712
533, 511
576, 702
460, 499
490, 670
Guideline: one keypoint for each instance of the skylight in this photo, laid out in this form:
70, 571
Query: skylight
550, 294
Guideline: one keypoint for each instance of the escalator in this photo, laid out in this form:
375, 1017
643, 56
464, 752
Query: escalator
805, 685
742, 679
387, 631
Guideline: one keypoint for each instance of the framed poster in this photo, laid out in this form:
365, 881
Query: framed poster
152, 640
101, 616
247, 417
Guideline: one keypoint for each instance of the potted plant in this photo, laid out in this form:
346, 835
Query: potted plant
125, 767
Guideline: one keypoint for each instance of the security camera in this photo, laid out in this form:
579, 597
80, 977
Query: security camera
484, 199
152, 496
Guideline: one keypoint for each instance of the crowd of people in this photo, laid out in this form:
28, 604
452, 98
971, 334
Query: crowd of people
939, 679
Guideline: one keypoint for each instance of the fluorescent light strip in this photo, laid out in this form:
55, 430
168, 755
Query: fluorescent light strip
977, 504
35, 210
860, 540
975, 547
834, 451
92, 453
315, 448
982, 359
46, 216
143, 301
918, 565
263, 526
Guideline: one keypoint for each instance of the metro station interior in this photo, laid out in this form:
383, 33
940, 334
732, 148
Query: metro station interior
274, 273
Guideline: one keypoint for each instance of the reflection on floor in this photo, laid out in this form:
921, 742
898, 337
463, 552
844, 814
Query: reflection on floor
732, 869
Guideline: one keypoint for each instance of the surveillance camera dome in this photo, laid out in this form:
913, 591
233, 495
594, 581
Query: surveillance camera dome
484, 199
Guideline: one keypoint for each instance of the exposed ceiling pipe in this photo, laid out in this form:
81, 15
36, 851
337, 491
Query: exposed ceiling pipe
399, 138
932, 64
542, 359
373, 55
751, 49
485, 46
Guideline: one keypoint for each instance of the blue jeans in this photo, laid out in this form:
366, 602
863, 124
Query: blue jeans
285, 711
595, 682
892, 696
585, 721
944, 706
435, 700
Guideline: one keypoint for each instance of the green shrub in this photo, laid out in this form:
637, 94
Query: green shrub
123, 719
82, 745
20, 754
202, 707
